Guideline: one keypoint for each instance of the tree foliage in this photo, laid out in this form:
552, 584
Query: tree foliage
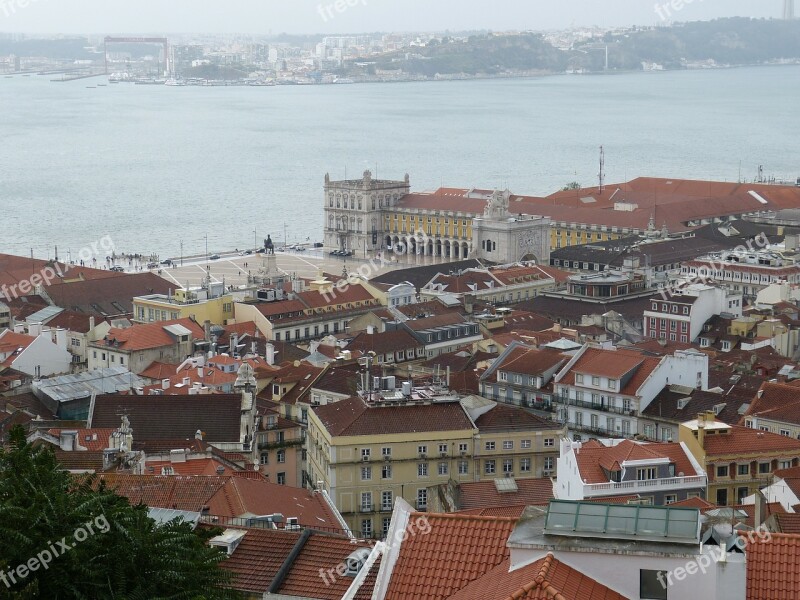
101, 546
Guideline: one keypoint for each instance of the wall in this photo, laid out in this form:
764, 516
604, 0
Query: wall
43, 358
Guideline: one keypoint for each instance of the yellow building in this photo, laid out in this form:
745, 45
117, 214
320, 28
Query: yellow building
366, 455
205, 304
738, 461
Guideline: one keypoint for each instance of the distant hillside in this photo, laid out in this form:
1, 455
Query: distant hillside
736, 41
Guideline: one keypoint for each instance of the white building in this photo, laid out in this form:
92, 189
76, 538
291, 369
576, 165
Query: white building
785, 489
38, 354
602, 391
747, 271
680, 314
660, 473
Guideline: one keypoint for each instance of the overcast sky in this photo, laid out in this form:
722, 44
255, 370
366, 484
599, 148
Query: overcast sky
313, 16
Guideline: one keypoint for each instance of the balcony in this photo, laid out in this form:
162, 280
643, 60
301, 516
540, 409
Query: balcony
643, 486
366, 508
599, 406
604, 431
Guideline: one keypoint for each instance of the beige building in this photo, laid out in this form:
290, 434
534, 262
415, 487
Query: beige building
204, 304
367, 454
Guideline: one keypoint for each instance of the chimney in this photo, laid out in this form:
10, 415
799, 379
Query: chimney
67, 440
207, 330
370, 330
198, 435
91, 324
270, 354
34, 329
701, 430
165, 384
760, 509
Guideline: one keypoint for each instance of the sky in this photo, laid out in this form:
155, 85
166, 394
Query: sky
354, 16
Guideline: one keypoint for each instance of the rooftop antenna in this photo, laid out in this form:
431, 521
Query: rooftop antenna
602, 175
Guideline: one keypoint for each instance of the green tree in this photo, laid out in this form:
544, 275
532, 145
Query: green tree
79, 540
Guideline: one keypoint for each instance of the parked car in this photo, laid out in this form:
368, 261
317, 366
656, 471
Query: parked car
214, 257
167, 262
152, 265
117, 268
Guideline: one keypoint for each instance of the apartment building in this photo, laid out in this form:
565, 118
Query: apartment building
209, 303
681, 314
603, 391
658, 473
368, 454
738, 460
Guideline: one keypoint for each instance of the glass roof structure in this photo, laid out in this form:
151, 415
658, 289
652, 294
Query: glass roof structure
623, 521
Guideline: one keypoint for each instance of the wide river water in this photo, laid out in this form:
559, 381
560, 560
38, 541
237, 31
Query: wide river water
152, 166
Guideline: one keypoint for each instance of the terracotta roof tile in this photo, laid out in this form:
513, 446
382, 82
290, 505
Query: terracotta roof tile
484, 494
530, 361
352, 417
258, 557
788, 523
544, 579
772, 572
151, 335
776, 402
319, 554
595, 460
109, 296
458, 550
752, 439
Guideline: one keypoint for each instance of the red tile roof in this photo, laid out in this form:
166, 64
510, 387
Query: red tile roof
788, 523
239, 497
352, 417
484, 494
776, 402
181, 492
504, 417
458, 550
319, 554
594, 458
258, 558
530, 361
151, 335
544, 579
10, 342
772, 572
752, 439
108, 296
614, 364
92, 439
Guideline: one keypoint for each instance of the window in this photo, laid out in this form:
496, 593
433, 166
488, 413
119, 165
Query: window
366, 501
722, 471
595, 380
524, 444
386, 451
650, 586
366, 528
462, 448
366, 473
784, 464
365, 453
282, 478
489, 445
281, 456
646, 473
422, 470
579, 378
387, 521
612, 384
763, 467
422, 498
549, 463
422, 449
463, 467
265, 458
508, 466
442, 448
387, 500
525, 465
743, 469
508, 445
489, 467
785, 432
670, 498
386, 472
443, 468
549, 442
